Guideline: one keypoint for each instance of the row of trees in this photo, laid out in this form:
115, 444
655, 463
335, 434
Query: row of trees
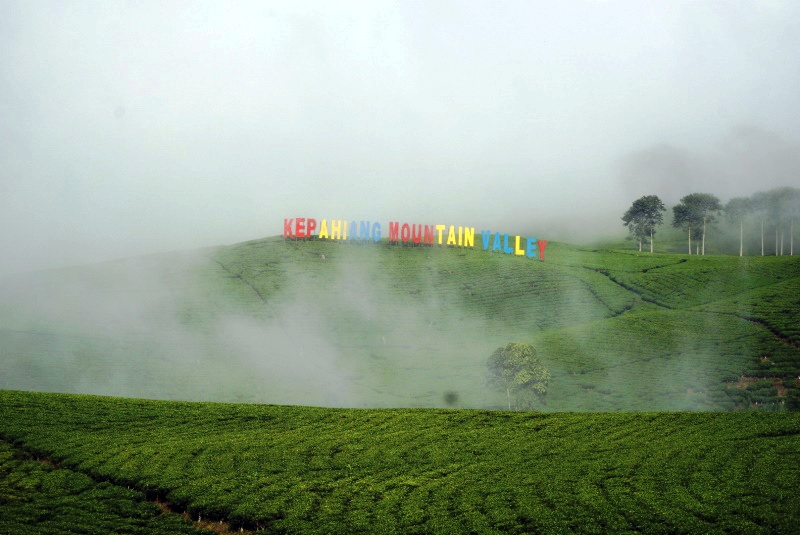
775, 209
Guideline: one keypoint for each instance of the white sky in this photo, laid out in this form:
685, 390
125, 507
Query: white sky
129, 128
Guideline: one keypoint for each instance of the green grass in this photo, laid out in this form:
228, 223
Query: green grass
387, 326
313, 470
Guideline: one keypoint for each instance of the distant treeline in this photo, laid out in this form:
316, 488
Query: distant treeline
762, 224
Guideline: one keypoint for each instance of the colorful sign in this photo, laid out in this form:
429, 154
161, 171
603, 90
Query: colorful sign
417, 234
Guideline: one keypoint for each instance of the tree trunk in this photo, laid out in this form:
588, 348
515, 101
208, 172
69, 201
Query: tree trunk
640, 245
776, 239
704, 236
791, 238
508, 395
651, 240
741, 237
690, 240
762, 237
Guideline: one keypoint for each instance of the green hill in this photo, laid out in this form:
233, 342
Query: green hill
314, 470
332, 324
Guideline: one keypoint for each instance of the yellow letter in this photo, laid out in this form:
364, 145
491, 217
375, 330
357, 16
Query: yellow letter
440, 228
517, 250
336, 229
451, 236
323, 229
469, 236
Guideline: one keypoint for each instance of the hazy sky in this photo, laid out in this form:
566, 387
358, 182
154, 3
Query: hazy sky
128, 128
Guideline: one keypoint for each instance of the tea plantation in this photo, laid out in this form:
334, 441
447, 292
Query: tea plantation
287, 469
344, 325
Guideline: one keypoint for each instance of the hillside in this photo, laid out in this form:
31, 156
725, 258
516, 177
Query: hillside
313, 470
330, 324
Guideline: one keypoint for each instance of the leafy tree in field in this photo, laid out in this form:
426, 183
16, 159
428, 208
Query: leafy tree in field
736, 209
643, 216
683, 218
695, 211
517, 369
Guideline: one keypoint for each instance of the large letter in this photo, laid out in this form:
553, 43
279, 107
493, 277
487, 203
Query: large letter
517, 250
506, 248
469, 236
354, 234
300, 227
376, 232
531, 248
496, 246
428, 239
416, 233
405, 232
323, 229
451, 236
312, 226
542, 244
440, 228
486, 235
394, 226
336, 229
363, 233
287, 227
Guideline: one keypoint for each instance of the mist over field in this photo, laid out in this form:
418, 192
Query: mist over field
172, 326
131, 131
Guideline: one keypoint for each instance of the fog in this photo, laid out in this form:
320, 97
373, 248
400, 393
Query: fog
136, 129
133, 128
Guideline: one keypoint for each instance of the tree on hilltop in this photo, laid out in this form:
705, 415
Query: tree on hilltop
643, 216
517, 369
695, 212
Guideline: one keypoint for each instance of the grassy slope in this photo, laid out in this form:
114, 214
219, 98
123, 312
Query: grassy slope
271, 321
311, 470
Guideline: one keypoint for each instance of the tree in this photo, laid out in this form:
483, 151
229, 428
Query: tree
695, 210
517, 369
736, 209
682, 217
643, 216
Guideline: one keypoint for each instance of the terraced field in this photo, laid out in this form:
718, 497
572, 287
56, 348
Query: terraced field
325, 323
312, 470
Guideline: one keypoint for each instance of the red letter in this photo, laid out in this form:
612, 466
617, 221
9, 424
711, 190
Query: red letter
541, 244
300, 227
428, 239
405, 232
394, 226
287, 228
312, 226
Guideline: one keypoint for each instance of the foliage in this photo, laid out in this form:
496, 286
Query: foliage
516, 369
643, 216
37, 497
694, 212
309, 470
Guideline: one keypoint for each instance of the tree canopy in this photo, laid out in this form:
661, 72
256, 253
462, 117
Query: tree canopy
695, 212
517, 369
643, 216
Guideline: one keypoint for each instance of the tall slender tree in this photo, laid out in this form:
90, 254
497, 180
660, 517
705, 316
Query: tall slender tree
683, 218
737, 209
643, 216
